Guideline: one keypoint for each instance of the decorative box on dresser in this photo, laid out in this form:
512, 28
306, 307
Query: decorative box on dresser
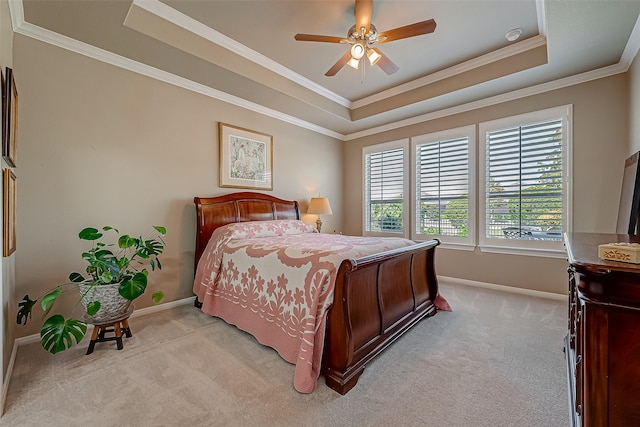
603, 343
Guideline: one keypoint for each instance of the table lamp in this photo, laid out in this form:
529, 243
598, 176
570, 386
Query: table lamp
319, 206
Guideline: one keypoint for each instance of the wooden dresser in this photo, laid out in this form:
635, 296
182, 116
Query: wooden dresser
603, 343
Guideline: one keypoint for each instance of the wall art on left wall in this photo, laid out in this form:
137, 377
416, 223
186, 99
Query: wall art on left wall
9, 119
4, 103
10, 191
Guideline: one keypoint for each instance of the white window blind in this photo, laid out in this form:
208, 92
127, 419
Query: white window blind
385, 184
443, 198
526, 181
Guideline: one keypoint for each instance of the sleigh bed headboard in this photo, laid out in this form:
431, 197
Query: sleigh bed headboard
214, 212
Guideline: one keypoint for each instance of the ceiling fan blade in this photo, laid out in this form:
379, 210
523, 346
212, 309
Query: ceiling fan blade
318, 38
385, 63
364, 9
417, 29
338, 65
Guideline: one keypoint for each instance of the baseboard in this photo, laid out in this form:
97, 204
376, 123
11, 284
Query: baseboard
7, 377
512, 289
36, 338
162, 307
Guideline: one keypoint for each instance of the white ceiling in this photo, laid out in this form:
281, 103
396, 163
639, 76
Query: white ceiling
465, 30
244, 51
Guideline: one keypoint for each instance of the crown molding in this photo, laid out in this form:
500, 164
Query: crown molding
170, 14
505, 52
16, 11
542, 18
632, 46
67, 43
47, 36
498, 99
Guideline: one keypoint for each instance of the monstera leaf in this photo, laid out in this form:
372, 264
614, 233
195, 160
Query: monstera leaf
134, 287
157, 297
93, 307
24, 309
49, 299
129, 266
57, 333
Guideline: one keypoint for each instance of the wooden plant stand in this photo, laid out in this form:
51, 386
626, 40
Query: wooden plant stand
118, 327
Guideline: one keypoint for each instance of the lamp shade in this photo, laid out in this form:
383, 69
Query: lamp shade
357, 51
319, 206
354, 63
373, 56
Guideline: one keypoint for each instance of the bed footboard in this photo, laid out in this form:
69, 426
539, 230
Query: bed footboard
377, 299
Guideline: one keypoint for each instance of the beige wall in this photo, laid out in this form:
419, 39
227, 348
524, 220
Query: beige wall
157, 147
600, 135
104, 146
8, 264
634, 107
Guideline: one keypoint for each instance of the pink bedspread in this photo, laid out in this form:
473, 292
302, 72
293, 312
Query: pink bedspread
275, 280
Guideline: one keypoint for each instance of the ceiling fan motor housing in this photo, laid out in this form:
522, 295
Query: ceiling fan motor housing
369, 38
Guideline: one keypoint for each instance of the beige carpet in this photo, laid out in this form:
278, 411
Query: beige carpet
496, 360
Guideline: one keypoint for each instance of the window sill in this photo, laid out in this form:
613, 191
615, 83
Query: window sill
547, 253
383, 234
457, 246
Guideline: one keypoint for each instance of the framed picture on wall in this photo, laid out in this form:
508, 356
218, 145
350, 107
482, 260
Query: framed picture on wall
4, 103
246, 159
9, 235
10, 119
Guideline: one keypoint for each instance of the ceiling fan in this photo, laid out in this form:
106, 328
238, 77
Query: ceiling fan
364, 36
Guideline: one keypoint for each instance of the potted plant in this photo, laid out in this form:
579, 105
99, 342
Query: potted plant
117, 270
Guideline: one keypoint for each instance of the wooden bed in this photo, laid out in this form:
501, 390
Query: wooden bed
376, 299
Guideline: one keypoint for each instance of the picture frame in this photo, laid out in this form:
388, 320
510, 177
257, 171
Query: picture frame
10, 119
4, 103
9, 205
246, 158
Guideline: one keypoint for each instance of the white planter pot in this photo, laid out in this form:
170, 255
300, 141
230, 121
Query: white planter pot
112, 305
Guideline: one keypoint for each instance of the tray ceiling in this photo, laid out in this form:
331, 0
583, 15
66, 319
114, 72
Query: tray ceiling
244, 52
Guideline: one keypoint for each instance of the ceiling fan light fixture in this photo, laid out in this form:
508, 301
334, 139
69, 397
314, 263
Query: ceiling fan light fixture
363, 36
373, 56
357, 51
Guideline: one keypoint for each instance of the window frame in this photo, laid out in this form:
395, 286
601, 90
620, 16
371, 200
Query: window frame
378, 148
453, 242
522, 246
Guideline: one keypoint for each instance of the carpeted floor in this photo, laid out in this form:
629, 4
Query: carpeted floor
495, 360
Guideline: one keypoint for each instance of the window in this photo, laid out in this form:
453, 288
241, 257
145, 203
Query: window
526, 181
444, 203
519, 202
385, 181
